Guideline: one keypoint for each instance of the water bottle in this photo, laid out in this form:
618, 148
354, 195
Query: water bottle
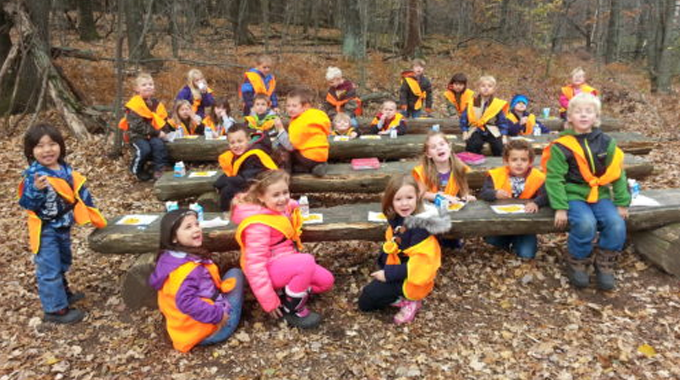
634, 187
208, 133
393, 133
179, 133
198, 209
180, 170
304, 206
171, 205
442, 202
435, 128
537, 130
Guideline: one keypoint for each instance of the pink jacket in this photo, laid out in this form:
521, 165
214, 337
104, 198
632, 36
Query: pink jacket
263, 244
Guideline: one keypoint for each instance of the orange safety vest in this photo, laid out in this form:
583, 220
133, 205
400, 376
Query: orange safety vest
82, 213
197, 102
308, 133
291, 228
569, 92
231, 167
339, 104
254, 123
394, 123
347, 132
424, 261
258, 84
187, 131
451, 187
138, 105
465, 98
414, 86
501, 181
496, 106
186, 332
529, 126
612, 173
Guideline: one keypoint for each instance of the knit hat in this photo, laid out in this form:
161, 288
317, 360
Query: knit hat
519, 98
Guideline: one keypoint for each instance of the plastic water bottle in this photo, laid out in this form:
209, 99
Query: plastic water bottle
537, 130
171, 205
198, 209
634, 187
208, 133
435, 128
180, 170
179, 133
304, 205
442, 202
393, 133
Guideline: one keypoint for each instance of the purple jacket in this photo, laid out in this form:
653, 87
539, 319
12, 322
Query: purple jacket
207, 100
197, 285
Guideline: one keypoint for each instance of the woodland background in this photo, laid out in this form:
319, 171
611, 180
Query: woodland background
71, 63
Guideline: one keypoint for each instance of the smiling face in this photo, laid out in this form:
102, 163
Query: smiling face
418, 70
47, 152
438, 149
405, 200
276, 196
189, 233
260, 106
582, 117
335, 82
145, 88
264, 67
518, 162
341, 125
486, 88
238, 142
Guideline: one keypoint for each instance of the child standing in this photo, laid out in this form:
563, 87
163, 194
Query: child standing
342, 126
520, 121
341, 96
388, 119
185, 120
54, 196
240, 164
304, 147
262, 118
587, 187
145, 126
484, 119
269, 228
416, 91
517, 179
199, 306
458, 94
258, 80
219, 120
410, 256
197, 93
577, 86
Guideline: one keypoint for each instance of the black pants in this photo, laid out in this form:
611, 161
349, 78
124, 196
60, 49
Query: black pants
228, 188
476, 142
143, 150
378, 295
294, 162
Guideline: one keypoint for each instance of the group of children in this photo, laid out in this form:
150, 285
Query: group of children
581, 178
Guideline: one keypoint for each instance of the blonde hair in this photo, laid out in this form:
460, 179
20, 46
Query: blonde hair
263, 59
262, 182
340, 116
395, 183
142, 76
577, 70
455, 164
175, 114
585, 99
487, 79
418, 62
192, 75
389, 101
333, 72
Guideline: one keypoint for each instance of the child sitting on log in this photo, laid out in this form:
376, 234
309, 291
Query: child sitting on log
587, 188
410, 257
262, 118
342, 126
520, 121
200, 306
415, 92
388, 119
219, 119
341, 96
184, 120
197, 93
259, 80
458, 95
578, 85
484, 119
517, 179
280, 275
241, 163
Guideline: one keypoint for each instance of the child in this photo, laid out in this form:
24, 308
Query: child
520, 121
269, 227
411, 255
304, 147
388, 119
200, 308
415, 90
458, 94
484, 119
258, 80
54, 196
196, 92
241, 163
145, 127
577, 86
342, 126
262, 118
219, 120
185, 120
341, 96
581, 165
516, 180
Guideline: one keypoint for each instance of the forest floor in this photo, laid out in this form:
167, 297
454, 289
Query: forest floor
490, 316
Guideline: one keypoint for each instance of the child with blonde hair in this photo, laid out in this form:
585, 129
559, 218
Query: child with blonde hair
196, 92
578, 85
388, 119
341, 96
185, 120
259, 80
484, 119
342, 126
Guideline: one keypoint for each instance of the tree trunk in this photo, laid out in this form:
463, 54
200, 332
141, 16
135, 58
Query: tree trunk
242, 35
412, 37
136, 30
117, 149
613, 32
504, 24
641, 34
353, 38
264, 4
662, 72
86, 25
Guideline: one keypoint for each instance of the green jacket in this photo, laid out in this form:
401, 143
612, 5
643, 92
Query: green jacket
564, 182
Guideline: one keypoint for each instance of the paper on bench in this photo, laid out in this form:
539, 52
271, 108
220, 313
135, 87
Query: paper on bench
216, 222
643, 201
136, 220
456, 206
312, 219
508, 209
378, 217
203, 174
521, 138
340, 138
370, 137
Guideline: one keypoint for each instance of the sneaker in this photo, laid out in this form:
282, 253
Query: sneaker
320, 169
143, 176
407, 312
399, 302
64, 316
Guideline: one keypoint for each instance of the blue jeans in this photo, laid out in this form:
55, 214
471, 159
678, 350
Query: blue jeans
413, 114
143, 150
586, 219
51, 263
524, 246
235, 298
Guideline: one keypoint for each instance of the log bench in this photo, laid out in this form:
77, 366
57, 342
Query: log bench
341, 178
660, 246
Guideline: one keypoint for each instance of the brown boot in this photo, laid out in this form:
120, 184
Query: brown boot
577, 270
605, 261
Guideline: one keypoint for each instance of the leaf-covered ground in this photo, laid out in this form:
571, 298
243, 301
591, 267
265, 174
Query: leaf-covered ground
490, 316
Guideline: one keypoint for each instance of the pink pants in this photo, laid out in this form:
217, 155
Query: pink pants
299, 272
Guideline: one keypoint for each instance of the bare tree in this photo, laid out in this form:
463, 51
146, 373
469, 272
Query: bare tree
412, 37
613, 31
86, 25
660, 51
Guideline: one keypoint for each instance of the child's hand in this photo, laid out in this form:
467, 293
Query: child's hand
469, 198
197, 119
382, 118
384, 132
225, 319
623, 212
561, 219
221, 113
276, 110
278, 124
161, 135
451, 198
466, 135
502, 194
276, 313
40, 181
523, 120
379, 275
531, 208
353, 135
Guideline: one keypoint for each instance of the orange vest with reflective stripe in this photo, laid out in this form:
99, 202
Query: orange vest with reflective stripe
138, 105
569, 92
501, 181
186, 332
82, 213
424, 261
528, 127
414, 86
451, 187
496, 106
612, 173
231, 167
465, 98
339, 104
394, 123
258, 84
291, 228
254, 123
308, 133
187, 131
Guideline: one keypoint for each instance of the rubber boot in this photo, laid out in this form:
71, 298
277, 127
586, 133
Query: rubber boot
605, 261
70, 295
295, 310
577, 271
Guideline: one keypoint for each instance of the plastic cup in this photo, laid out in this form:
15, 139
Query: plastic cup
546, 113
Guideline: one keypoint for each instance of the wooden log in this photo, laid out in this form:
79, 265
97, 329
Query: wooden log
350, 222
660, 246
135, 289
341, 178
